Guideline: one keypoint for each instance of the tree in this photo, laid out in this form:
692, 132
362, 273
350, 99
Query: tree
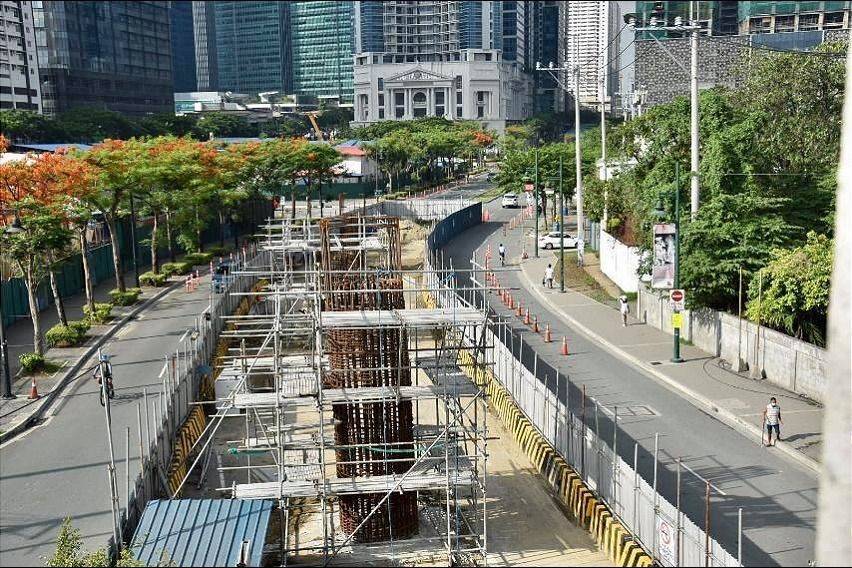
70, 553
112, 162
95, 124
28, 126
791, 292
316, 164
221, 124
43, 230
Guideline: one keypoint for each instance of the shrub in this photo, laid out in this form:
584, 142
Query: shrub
216, 250
151, 279
101, 314
31, 362
197, 258
66, 335
172, 268
127, 298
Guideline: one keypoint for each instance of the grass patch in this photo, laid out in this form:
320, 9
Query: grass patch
579, 280
32, 363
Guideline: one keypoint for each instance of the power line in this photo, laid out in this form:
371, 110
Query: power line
604, 50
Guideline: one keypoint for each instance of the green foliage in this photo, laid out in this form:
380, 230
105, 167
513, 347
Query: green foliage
198, 258
171, 268
216, 250
791, 292
94, 125
66, 335
221, 124
32, 362
69, 551
101, 314
126, 298
151, 279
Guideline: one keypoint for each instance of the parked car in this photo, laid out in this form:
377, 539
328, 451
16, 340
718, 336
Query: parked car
551, 240
509, 200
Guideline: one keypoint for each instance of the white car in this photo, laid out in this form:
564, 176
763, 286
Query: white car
552, 241
509, 200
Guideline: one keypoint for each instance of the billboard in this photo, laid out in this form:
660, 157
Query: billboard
665, 256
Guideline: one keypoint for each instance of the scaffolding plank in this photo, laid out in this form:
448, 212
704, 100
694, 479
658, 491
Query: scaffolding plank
416, 317
454, 387
353, 486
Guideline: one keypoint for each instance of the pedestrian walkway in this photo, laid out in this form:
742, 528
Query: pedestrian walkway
736, 400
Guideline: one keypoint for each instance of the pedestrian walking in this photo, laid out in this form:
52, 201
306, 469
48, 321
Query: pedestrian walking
548, 276
624, 308
772, 419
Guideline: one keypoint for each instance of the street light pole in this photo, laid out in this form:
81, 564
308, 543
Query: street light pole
561, 230
581, 234
676, 358
693, 112
4, 351
535, 201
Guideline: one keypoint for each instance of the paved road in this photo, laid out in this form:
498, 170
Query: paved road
59, 468
778, 497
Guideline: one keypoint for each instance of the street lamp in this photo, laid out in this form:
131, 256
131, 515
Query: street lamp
12, 229
660, 213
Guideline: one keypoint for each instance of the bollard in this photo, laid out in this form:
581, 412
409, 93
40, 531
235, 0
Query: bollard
564, 345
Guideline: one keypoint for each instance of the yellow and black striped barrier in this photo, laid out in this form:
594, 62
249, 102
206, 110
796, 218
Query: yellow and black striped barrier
589, 512
188, 434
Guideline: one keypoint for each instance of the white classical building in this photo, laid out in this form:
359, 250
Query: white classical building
478, 86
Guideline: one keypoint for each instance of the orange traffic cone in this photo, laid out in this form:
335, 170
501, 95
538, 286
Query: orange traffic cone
547, 338
511, 302
564, 345
535, 324
527, 317
33, 391
520, 311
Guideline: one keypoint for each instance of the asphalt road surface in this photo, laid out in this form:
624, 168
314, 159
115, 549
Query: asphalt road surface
778, 497
59, 468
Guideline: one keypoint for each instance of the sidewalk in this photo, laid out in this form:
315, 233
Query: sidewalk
733, 399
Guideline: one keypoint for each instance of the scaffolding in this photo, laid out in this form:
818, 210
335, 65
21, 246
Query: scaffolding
354, 402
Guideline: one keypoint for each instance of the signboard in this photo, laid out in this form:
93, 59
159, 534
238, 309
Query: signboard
677, 298
662, 270
666, 537
677, 320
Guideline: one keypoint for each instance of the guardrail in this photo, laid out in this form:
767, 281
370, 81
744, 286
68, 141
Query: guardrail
664, 530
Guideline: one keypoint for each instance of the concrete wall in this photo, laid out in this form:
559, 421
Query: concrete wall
785, 361
619, 262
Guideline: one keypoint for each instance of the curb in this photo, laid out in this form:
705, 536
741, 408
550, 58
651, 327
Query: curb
725, 416
48, 399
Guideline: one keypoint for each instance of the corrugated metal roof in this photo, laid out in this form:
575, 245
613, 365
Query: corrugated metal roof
201, 532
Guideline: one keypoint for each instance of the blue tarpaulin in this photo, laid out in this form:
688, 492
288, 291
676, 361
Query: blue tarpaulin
201, 532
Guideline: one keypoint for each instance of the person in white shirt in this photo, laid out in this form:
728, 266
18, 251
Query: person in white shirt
502, 251
624, 308
772, 419
548, 275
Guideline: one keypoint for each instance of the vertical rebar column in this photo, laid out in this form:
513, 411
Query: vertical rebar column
376, 437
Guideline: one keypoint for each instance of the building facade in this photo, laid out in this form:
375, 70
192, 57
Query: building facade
544, 41
777, 17
19, 76
588, 32
204, 37
111, 55
444, 59
252, 46
183, 46
321, 43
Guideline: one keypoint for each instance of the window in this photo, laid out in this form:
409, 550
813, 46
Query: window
419, 104
399, 105
440, 103
381, 99
380, 84
458, 81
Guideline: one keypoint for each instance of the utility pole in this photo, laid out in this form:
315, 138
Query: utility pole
603, 145
581, 234
693, 110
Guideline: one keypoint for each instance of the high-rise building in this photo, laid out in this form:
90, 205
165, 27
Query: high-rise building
442, 58
19, 76
368, 26
113, 55
252, 41
587, 41
545, 50
321, 41
776, 17
183, 47
204, 35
